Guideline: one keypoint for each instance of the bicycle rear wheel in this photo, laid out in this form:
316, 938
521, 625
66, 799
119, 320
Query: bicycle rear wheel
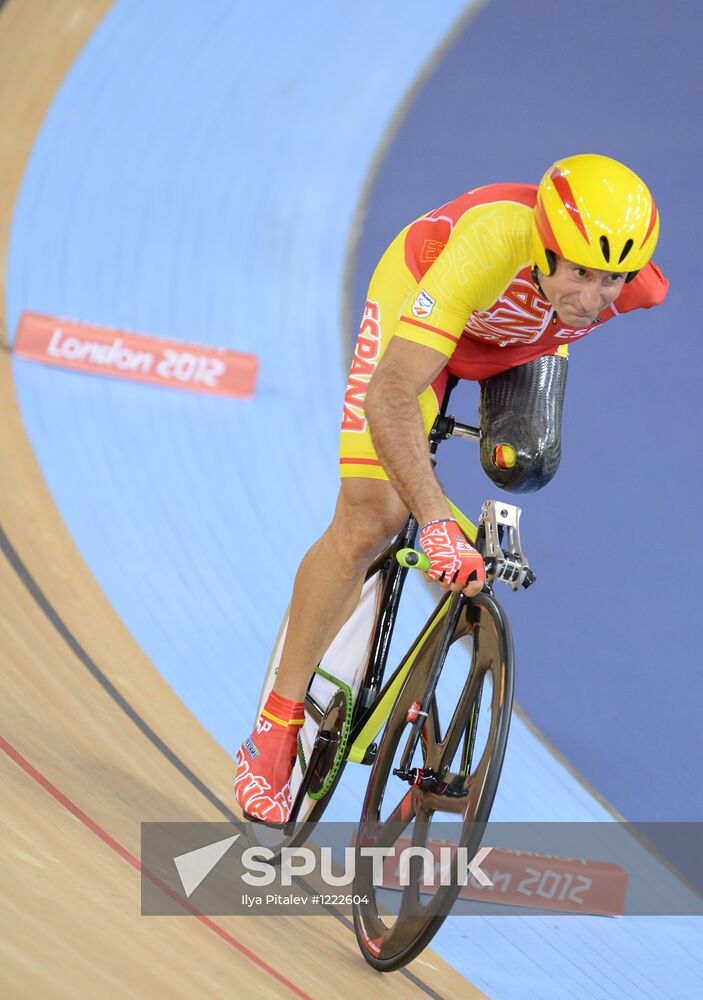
395, 814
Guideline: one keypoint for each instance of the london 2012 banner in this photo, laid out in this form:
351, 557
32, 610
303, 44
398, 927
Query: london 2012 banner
97, 350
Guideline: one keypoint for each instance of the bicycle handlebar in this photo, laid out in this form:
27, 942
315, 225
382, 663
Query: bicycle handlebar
412, 559
518, 574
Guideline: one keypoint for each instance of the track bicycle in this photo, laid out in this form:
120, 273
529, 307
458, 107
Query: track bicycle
421, 768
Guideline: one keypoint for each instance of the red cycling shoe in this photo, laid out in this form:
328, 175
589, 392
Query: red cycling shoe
265, 761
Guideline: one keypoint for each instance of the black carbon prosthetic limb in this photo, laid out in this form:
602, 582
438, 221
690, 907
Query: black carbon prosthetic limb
520, 414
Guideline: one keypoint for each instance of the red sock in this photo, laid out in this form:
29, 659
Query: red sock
265, 760
284, 710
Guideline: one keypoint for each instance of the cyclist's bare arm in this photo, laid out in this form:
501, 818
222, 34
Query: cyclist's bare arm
399, 437
395, 422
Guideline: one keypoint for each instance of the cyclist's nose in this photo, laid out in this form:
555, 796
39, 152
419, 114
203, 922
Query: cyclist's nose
591, 300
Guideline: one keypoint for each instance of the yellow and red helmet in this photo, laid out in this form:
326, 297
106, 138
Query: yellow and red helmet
595, 212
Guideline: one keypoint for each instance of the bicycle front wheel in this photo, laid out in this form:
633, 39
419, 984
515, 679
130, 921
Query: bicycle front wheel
464, 758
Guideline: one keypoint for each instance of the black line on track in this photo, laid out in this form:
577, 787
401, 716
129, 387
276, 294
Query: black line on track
96, 673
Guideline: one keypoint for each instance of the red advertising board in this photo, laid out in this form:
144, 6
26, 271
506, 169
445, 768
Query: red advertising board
85, 347
520, 878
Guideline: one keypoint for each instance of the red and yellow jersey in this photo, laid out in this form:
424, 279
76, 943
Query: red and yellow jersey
475, 300
459, 280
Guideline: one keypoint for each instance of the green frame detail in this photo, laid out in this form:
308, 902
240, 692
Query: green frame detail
466, 525
346, 729
301, 756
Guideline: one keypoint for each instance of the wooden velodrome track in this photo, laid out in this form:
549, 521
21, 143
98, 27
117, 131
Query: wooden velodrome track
95, 742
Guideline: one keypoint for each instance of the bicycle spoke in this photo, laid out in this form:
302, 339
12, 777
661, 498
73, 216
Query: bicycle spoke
460, 718
384, 833
435, 802
467, 751
410, 899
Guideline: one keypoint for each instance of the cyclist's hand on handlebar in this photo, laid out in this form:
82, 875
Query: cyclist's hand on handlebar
454, 563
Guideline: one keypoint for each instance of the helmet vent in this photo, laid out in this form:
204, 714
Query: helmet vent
625, 251
605, 247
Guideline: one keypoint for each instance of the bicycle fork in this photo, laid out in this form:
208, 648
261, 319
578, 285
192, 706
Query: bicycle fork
426, 778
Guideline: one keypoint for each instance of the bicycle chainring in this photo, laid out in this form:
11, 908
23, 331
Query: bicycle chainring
333, 732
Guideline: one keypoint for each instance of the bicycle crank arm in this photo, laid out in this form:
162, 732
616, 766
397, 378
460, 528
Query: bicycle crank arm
322, 741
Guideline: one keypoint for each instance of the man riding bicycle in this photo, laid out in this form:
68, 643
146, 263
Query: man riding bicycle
490, 287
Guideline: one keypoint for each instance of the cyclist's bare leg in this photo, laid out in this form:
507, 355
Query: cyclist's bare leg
327, 585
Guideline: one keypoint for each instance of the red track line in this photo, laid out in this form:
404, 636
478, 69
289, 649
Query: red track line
136, 863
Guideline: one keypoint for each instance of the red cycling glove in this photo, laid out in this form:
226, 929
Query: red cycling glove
452, 558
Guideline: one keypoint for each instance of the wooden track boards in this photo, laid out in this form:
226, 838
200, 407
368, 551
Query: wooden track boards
88, 711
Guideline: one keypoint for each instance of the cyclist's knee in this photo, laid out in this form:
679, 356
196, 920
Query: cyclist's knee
369, 512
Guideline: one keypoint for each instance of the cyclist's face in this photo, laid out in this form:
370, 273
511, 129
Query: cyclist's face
578, 293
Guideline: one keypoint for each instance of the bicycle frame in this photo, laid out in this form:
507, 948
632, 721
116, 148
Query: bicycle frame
374, 702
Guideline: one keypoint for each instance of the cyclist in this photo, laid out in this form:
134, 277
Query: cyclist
493, 287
